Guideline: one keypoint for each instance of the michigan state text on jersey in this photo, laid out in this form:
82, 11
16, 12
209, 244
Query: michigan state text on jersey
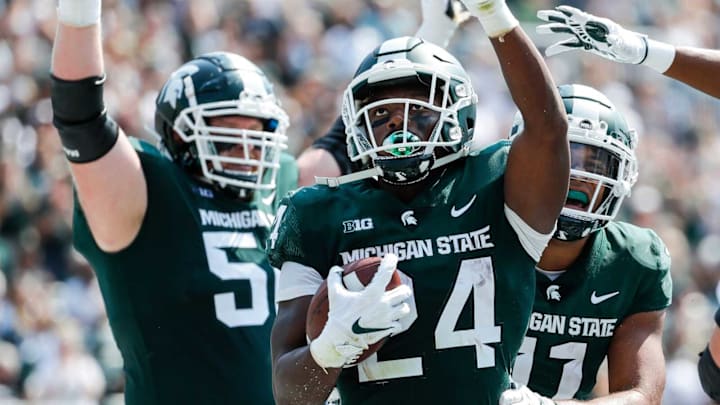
472, 279
625, 270
191, 300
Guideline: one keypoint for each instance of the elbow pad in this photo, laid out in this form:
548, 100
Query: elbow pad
86, 131
709, 375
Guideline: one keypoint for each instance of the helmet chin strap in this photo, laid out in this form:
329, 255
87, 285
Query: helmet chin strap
571, 229
377, 171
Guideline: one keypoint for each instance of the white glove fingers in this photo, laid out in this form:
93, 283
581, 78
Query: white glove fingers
598, 30
457, 11
398, 294
564, 46
553, 28
399, 311
389, 261
384, 273
570, 11
334, 284
552, 16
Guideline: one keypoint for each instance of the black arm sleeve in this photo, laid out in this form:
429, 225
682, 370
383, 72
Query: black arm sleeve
334, 142
709, 375
708, 371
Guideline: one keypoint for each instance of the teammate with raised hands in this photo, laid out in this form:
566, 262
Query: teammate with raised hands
696, 67
175, 232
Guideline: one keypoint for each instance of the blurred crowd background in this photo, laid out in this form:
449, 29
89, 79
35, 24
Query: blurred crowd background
54, 338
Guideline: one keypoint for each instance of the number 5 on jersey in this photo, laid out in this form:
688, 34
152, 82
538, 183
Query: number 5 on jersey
226, 310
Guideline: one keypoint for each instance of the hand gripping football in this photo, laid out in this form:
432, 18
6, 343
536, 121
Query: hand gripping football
356, 275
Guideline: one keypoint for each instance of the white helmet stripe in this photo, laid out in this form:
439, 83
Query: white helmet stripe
394, 46
586, 109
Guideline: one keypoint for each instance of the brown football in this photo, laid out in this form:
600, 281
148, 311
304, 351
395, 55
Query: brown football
356, 275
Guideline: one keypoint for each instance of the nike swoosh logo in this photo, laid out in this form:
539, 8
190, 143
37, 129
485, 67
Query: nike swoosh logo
456, 212
356, 328
595, 299
269, 199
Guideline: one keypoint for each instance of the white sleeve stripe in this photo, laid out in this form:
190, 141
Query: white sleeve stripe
531, 240
297, 280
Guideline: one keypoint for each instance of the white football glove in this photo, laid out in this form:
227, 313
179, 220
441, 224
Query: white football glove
357, 319
603, 37
494, 15
522, 395
79, 13
440, 18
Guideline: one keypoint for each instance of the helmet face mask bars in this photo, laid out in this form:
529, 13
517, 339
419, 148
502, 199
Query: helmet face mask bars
410, 103
193, 121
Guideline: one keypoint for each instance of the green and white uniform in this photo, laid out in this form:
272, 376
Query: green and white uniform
191, 300
624, 270
459, 248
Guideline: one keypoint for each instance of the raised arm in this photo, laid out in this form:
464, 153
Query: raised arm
693, 66
106, 169
697, 68
538, 168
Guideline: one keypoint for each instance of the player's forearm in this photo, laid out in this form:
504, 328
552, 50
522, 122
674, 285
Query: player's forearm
77, 52
697, 68
531, 85
297, 379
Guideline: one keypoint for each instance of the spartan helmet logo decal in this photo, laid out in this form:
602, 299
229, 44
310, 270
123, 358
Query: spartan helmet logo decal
174, 88
553, 293
408, 218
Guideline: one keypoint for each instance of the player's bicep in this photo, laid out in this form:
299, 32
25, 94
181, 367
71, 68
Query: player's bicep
635, 357
537, 178
113, 195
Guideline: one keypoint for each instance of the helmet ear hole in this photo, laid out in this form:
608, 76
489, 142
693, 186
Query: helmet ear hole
470, 123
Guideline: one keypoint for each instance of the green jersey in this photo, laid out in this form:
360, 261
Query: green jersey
191, 300
473, 282
623, 271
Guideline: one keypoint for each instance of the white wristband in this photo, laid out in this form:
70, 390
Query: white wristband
659, 55
79, 13
499, 22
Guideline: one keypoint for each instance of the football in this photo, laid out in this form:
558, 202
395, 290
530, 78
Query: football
356, 275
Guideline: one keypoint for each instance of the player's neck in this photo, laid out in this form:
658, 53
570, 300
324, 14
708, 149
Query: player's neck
560, 255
